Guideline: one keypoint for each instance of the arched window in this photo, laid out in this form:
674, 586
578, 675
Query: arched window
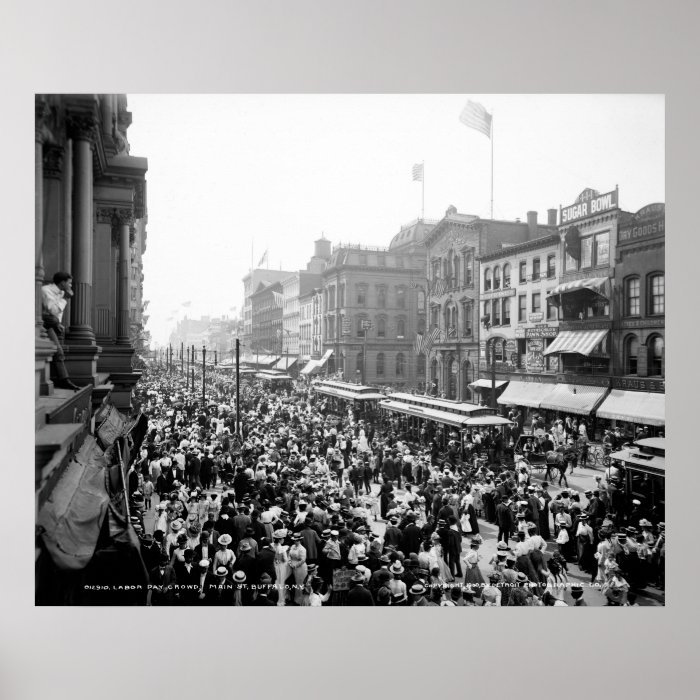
506, 311
381, 327
468, 269
433, 370
360, 326
487, 309
451, 320
631, 353
506, 276
360, 362
497, 277
487, 279
400, 365
467, 378
420, 365
381, 296
632, 297
656, 356
657, 294
401, 328
421, 323
380, 364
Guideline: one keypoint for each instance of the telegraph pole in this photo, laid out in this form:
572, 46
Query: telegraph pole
204, 374
238, 382
182, 357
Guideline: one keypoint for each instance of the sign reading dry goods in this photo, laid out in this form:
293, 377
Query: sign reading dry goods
589, 205
649, 221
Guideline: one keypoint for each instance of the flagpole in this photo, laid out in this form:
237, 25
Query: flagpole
422, 208
492, 164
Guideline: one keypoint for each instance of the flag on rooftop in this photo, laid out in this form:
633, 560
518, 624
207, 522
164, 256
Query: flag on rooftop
476, 117
418, 172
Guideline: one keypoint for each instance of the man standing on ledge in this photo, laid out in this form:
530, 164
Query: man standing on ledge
54, 298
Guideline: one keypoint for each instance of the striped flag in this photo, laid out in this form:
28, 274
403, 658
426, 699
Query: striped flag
418, 345
278, 298
439, 286
451, 332
476, 117
263, 259
434, 335
418, 172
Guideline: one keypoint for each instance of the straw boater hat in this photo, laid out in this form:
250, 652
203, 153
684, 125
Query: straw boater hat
239, 577
225, 539
280, 534
396, 568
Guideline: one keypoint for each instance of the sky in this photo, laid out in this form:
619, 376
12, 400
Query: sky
232, 176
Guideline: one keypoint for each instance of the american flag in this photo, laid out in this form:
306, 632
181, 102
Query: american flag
439, 287
476, 117
418, 345
418, 172
451, 332
434, 335
278, 298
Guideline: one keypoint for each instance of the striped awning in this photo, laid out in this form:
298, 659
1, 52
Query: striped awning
581, 342
599, 285
574, 398
642, 407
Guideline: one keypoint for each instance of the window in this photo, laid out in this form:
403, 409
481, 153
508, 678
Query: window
497, 277
602, 248
359, 364
586, 252
506, 276
363, 258
381, 297
467, 310
381, 260
522, 271
468, 269
631, 352
522, 308
496, 310
341, 294
632, 306
421, 323
380, 364
420, 365
361, 294
656, 356
535, 268
497, 350
360, 326
331, 297
381, 327
401, 328
400, 297
536, 296
487, 309
451, 320
551, 266
506, 311
657, 294
552, 311
487, 279
400, 365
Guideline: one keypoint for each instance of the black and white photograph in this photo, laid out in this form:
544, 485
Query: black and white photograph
336, 350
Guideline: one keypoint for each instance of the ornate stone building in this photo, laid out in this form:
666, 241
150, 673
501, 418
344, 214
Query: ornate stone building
90, 214
372, 302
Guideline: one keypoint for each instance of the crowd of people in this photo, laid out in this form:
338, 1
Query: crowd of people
304, 507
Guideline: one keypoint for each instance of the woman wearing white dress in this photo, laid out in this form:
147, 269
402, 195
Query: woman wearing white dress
297, 563
281, 565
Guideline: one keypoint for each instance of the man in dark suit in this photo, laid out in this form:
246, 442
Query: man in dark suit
262, 599
411, 537
187, 579
265, 561
504, 519
392, 535
358, 594
194, 467
219, 589
163, 582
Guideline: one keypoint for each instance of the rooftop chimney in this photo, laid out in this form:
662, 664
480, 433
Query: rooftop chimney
532, 224
551, 217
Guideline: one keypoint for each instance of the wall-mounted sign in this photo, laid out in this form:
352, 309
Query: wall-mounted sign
498, 293
535, 318
519, 332
643, 384
542, 331
648, 221
535, 357
346, 326
511, 347
589, 205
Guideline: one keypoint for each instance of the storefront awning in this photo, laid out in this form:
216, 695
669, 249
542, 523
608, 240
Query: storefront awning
285, 363
486, 384
581, 342
598, 285
574, 398
640, 407
530, 394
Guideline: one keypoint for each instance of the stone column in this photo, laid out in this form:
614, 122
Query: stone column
126, 233
82, 130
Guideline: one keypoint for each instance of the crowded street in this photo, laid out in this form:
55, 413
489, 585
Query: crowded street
310, 508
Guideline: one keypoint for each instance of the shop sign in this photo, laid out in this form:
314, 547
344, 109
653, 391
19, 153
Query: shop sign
542, 331
583, 381
648, 221
535, 356
498, 293
535, 318
643, 323
588, 203
346, 326
511, 346
519, 332
644, 384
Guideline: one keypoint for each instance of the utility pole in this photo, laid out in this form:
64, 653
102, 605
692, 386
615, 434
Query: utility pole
204, 374
238, 383
188, 362
182, 357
